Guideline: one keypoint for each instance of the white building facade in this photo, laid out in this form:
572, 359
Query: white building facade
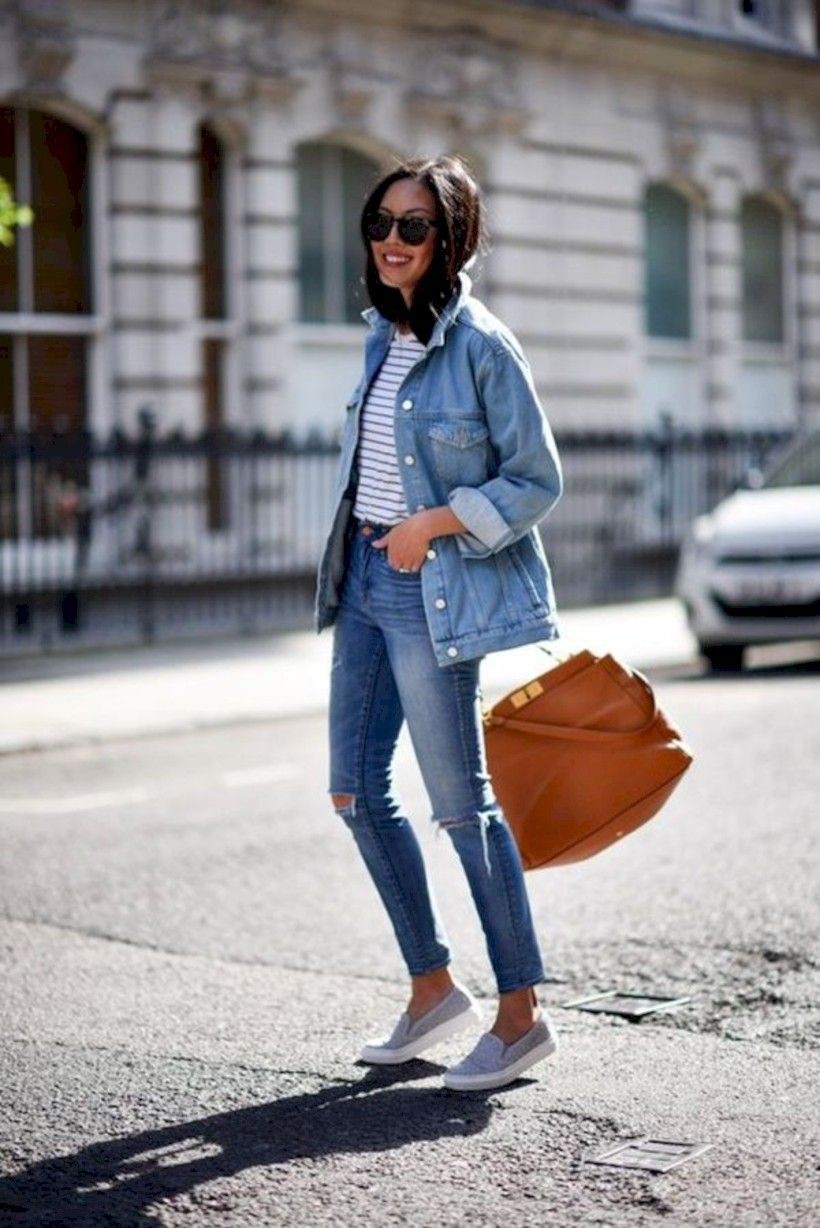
652, 179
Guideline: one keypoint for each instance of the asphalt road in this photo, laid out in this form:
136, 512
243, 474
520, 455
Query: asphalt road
191, 954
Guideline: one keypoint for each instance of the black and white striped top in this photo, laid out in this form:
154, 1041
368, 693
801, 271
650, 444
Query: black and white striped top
379, 494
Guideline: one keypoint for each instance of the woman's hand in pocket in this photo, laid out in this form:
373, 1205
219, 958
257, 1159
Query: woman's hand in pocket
406, 543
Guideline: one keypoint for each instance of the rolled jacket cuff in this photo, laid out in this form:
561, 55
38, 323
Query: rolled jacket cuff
488, 531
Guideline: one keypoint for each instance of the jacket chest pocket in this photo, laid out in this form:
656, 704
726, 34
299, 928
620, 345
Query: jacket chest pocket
461, 451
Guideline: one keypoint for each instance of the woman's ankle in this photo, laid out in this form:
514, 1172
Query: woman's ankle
430, 988
439, 978
518, 1007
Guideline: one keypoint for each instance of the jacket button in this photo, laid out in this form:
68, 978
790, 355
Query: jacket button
440, 603
452, 651
431, 554
409, 460
408, 404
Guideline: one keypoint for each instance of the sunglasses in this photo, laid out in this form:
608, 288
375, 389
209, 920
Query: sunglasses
413, 230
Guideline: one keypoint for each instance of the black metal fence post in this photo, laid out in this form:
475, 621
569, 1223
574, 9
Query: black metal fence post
664, 443
145, 507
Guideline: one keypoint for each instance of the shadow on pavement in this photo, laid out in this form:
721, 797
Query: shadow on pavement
116, 1181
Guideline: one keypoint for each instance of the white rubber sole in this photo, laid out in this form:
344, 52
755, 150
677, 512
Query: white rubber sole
482, 1082
390, 1057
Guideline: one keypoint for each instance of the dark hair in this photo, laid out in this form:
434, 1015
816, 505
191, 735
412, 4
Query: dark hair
461, 228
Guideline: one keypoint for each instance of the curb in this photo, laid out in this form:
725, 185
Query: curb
97, 737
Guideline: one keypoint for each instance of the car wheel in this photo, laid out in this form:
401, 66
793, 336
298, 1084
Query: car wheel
724, 658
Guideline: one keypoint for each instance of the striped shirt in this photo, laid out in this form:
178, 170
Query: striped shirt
379, 494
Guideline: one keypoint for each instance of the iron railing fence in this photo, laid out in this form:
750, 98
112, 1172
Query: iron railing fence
629, 498
134, 538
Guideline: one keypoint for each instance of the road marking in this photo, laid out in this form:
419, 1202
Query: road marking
69, 805
242, 777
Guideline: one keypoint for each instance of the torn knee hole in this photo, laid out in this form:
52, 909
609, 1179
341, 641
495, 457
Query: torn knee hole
461, 821
479, 819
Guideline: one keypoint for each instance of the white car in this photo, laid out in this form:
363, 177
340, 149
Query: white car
749, 571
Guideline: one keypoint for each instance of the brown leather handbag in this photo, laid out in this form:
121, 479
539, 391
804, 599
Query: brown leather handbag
581, 756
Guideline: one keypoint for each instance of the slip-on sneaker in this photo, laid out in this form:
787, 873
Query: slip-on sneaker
492, 1063
410, 1037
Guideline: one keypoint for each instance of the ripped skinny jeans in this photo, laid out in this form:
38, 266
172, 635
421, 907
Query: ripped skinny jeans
383, 672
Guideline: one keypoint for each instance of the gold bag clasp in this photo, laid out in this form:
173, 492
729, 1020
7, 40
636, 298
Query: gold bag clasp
526, 693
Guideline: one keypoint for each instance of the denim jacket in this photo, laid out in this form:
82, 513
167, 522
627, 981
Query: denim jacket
469, 432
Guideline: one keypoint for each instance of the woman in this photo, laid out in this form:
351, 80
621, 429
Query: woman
431, 561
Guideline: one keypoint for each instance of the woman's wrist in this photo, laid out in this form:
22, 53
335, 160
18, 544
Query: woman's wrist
441, 522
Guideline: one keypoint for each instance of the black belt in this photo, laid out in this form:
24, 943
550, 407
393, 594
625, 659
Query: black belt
368, 527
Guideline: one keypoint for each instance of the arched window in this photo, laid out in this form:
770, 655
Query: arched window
213, 307
213, 303
46, 291
333, 185
762, 261
667, 264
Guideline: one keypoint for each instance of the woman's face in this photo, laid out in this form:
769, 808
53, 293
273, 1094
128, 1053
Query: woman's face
398, 264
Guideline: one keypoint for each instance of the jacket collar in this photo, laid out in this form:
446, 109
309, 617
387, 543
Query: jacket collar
461, 292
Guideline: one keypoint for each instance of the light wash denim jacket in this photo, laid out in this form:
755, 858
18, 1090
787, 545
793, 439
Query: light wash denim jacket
470, 432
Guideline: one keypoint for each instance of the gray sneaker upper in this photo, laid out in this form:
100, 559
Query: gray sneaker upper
490, 1054
408, 1029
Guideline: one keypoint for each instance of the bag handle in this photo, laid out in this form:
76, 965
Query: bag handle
573, 734
552, 653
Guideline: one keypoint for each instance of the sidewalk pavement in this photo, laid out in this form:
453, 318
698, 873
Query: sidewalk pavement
58, 700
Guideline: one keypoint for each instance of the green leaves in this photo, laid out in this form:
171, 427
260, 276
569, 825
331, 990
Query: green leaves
11, 214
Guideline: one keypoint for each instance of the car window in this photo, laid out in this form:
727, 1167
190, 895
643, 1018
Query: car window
801, 467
